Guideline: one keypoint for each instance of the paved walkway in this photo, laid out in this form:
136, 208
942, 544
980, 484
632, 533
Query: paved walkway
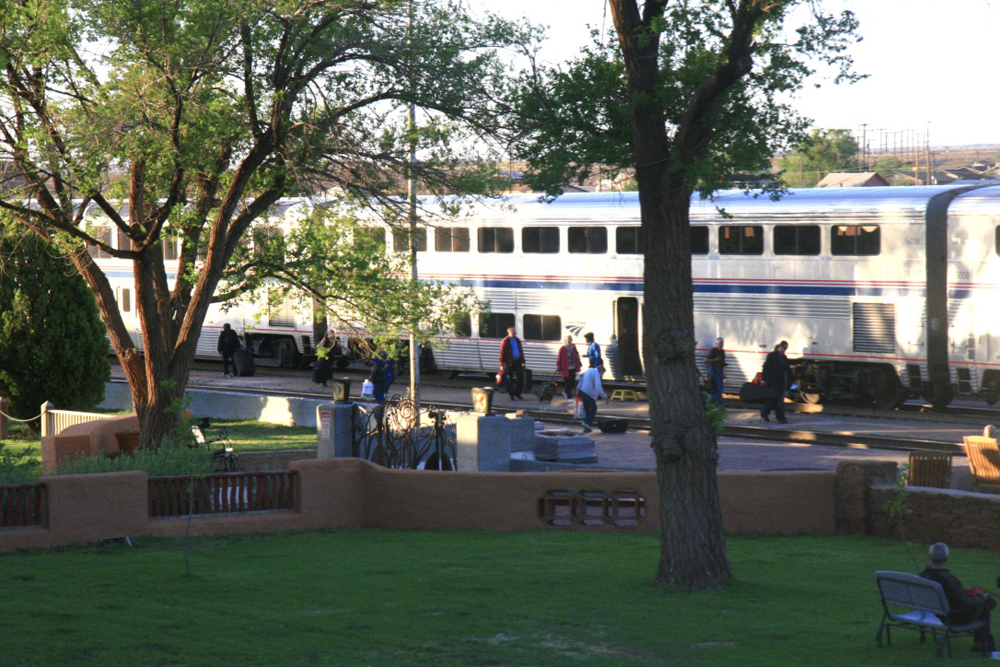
632, 450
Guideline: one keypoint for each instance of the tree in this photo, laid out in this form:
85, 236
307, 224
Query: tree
690, 95
201, 114
52, 343
822, 152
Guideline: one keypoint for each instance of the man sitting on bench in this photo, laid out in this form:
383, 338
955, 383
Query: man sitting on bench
967, 605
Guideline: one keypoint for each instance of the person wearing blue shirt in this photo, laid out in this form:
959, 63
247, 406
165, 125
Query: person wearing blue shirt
593, 350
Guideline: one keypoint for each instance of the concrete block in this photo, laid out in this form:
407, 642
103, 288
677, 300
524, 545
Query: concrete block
334, 430
483, 443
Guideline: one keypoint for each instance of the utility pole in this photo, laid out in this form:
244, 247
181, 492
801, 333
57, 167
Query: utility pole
412, 197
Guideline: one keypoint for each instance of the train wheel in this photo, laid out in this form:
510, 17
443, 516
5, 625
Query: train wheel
889, 393
343, 362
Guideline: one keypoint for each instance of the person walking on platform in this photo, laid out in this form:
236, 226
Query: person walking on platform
229, 342
512, 363
716, 362
589, 390
568, 365
593, 350
774, 376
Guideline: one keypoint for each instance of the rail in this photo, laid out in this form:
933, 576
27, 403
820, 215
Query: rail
21, 505
55, 421
221, 493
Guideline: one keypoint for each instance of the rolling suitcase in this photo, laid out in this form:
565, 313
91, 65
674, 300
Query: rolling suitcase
547, 391
243, 360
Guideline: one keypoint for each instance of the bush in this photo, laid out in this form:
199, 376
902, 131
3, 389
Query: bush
163, 461
52, 342
18, 466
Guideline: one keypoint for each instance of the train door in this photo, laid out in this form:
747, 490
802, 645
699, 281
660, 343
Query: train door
627, 331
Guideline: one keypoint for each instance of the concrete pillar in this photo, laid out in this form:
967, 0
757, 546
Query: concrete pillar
334, 430
483, 443
47, 418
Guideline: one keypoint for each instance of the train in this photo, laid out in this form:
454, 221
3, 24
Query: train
882, 293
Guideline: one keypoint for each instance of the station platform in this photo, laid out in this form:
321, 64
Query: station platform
632, 450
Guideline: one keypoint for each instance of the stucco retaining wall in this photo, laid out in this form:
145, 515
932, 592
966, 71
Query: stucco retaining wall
340, 493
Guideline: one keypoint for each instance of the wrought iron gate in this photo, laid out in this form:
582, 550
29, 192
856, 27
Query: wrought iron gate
384, 434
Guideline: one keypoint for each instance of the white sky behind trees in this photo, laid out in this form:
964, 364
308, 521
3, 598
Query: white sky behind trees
931, 65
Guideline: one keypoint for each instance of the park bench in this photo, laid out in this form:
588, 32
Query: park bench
219, 446
910, 601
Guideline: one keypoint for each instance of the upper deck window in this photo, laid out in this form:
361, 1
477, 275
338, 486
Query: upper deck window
451, 239
741, 240
628, 240
589, 240
855, 240
374, 235
401, 240
796, 239
496, 239
699, 240
540, 240
103, 234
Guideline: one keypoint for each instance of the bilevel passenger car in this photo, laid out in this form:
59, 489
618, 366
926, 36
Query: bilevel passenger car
882, 293
282, 335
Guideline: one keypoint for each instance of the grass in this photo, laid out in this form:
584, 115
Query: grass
377, 597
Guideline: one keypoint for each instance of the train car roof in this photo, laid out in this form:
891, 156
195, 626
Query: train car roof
899, 203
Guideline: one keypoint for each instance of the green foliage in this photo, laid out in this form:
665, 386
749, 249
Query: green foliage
716, 414
581, 115
52, 342
201, 114
360, 283
18, 465
161, 461
822, 152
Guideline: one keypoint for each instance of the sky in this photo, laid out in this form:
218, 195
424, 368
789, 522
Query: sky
931, 66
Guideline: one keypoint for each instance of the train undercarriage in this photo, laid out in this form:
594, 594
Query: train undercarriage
821, 381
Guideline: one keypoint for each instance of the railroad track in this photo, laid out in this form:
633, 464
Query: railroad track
798, 436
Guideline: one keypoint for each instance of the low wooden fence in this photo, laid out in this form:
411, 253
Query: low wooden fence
221, 493
21, 505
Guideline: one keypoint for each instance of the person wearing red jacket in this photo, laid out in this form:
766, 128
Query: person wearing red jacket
568, 365
512, 363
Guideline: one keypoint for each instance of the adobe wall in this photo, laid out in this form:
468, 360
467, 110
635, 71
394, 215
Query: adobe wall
342, 493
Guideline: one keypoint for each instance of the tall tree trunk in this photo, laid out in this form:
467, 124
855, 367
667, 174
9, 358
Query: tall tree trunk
692, 544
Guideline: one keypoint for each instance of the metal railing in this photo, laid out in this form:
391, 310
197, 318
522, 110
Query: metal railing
21, 505
222, 493
55, 421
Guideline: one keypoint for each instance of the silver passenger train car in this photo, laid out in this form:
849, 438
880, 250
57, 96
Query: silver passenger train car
882, 293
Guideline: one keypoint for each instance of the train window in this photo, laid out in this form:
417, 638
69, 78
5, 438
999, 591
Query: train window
496, 239
542, 327
796, 239
855, 240
996, 243
125, 300
264, 235
589, 240
451, 239
463, 326
495, 325
741, 240
628, 240
540, 240
699, 240
401, 240
124, 243
375, 235
102, 234
171, 248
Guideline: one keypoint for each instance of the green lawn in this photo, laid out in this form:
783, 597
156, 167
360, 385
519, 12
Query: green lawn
375, 597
